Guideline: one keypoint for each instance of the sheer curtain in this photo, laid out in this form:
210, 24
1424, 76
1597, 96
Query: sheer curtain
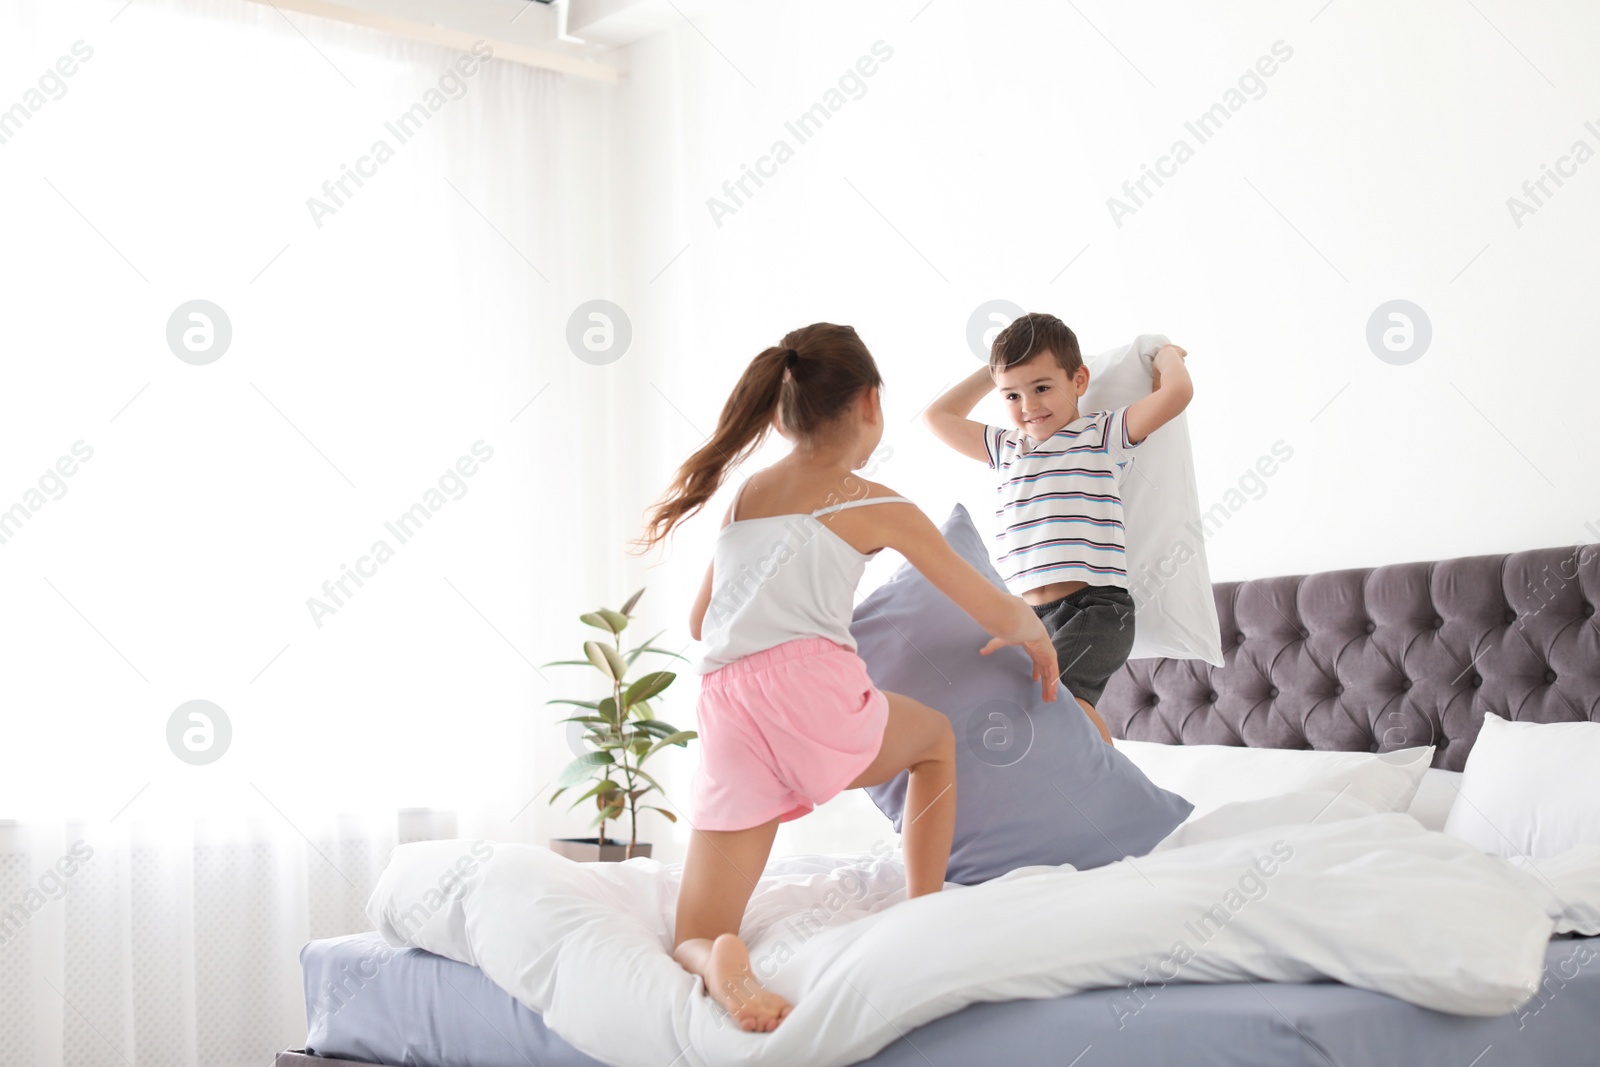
350, 502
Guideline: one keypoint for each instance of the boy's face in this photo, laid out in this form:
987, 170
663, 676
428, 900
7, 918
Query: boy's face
1040, 397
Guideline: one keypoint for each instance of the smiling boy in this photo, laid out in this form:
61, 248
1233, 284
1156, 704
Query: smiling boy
1061, 535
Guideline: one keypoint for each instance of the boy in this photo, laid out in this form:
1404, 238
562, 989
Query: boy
1061, 534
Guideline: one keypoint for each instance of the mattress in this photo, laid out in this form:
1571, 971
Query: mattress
409, 1008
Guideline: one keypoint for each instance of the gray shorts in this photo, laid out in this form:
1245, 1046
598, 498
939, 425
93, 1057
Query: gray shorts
1092, 630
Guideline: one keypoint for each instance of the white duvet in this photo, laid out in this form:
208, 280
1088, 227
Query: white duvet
1292, 889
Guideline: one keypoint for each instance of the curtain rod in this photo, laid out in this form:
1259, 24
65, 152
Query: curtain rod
460, 40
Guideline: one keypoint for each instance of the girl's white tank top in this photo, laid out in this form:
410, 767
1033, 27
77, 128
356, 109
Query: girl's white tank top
778, 578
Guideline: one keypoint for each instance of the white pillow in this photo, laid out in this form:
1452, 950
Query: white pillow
1249, 816
1209, 776
1530, 789
1175, 614
1435, 797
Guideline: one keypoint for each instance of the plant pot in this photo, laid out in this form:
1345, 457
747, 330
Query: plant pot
592, 850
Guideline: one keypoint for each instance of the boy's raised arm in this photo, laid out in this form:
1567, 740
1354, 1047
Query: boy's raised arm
1171, 391
947, 416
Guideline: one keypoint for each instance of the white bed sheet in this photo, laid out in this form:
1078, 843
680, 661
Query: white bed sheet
1314, 888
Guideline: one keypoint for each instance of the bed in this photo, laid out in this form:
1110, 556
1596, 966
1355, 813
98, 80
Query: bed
1374, 660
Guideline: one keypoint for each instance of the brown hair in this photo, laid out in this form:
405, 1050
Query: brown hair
808, 380
1030, 334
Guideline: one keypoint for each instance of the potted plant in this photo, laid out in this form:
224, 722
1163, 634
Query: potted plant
621, 733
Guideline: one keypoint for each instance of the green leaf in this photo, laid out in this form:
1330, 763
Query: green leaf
585, 718
620, 737
670, 817
681, 739
598, 620
613, 657
634, 653
662, 652
605, 660
655, 727
594, 704
638, 772
601, 800
606, 814
567, 663
627, 609
583, 767
647, 687
640, 748
640, 710
615, 619
607, 786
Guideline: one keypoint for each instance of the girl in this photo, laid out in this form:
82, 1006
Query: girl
787, 714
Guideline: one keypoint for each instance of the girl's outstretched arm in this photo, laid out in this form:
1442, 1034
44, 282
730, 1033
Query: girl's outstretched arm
1006, 618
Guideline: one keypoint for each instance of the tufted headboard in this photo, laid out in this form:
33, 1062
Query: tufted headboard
1380, 658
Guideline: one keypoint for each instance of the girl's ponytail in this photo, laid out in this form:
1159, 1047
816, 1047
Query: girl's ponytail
807, 381
744, 421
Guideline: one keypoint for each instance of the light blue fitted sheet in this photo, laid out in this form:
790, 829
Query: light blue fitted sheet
409, 1008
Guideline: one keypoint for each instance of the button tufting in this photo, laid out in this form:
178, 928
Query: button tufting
1371, 626
1338, 689
1155, 698
1511, 616
1272, 692
1477, 680
1405, 683
1588, 609
1211, 696
1437, 623
1549, 677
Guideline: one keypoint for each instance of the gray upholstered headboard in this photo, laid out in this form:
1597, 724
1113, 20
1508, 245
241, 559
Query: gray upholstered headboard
1381, 658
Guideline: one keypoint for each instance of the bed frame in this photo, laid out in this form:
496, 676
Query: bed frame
1371, 659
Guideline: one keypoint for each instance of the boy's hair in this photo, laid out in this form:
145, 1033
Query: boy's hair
1030, 334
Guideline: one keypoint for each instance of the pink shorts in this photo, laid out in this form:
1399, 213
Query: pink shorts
781, 731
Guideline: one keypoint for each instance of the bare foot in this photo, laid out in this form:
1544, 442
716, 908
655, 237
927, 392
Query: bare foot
730, 983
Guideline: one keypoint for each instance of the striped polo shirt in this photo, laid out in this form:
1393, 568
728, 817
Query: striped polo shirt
1061, 502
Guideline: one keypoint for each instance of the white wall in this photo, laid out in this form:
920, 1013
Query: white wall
1375, 164
991, 141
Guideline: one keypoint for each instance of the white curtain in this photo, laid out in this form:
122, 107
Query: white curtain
176, 527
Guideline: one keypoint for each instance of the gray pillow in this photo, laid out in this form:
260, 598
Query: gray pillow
1035, 784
